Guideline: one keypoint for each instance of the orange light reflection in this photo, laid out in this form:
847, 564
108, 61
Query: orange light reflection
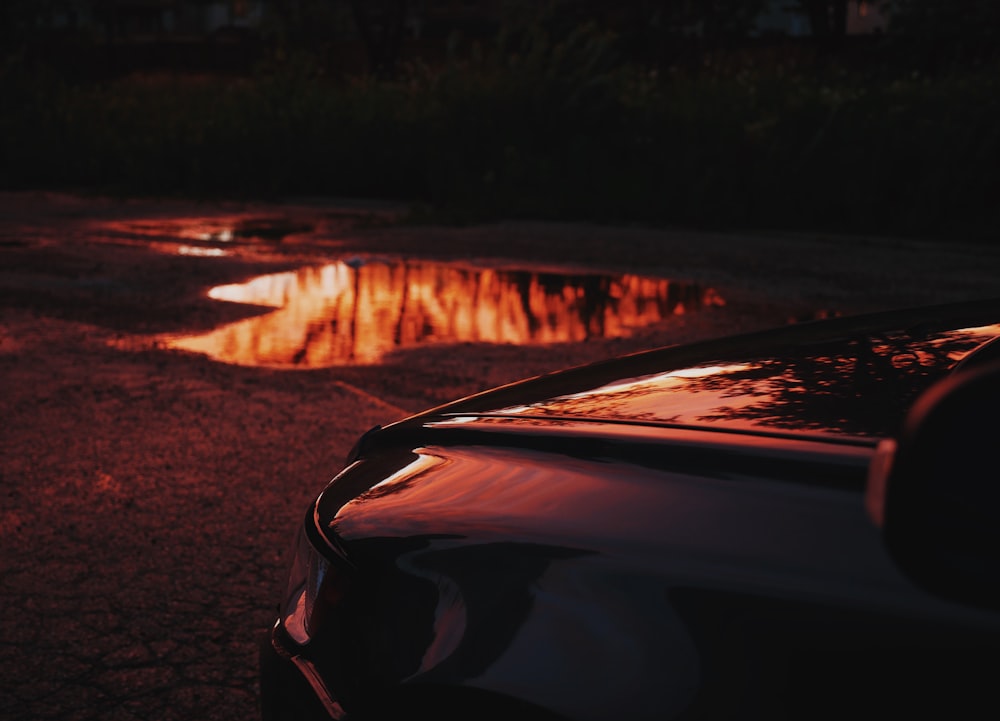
201, 252
642, 398
861, 390
356, 313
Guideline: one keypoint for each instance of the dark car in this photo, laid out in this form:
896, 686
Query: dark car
676, 534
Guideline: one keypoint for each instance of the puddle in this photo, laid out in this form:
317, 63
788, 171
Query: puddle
210, 237
354, 312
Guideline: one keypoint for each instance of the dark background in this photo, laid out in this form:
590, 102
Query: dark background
806, 114
149, 496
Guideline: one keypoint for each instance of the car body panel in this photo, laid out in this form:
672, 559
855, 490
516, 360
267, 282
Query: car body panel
573, 543
568, 543
848, 376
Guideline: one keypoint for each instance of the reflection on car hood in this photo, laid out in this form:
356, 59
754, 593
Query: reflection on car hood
850, 376
655, 510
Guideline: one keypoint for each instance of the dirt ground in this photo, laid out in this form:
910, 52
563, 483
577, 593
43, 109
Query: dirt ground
149, 496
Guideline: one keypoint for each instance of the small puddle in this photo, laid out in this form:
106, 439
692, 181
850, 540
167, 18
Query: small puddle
210, 237
356, 313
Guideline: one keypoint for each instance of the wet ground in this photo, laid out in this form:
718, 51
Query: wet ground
149, 490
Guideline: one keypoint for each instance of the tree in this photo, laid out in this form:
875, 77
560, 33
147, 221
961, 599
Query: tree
947, 31
827, 18
382, 25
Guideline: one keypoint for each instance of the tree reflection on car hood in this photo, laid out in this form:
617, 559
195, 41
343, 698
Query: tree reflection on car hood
853, 377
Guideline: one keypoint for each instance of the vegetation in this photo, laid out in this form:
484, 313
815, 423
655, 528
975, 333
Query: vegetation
542, 122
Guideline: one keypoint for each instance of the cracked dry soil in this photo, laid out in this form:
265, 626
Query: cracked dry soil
149, 496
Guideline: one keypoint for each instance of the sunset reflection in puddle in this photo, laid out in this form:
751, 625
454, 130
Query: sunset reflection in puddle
355, 312
211, 237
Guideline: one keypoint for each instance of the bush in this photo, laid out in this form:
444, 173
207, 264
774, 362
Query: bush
535, 126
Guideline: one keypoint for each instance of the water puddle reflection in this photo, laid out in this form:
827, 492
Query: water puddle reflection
207, 237
354, 312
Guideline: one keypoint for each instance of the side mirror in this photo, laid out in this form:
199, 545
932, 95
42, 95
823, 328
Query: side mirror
935, 491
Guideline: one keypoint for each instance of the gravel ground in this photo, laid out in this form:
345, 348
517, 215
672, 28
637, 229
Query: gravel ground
149, 496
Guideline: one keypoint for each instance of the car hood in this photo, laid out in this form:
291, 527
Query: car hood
601, 509
801, 406
842, 377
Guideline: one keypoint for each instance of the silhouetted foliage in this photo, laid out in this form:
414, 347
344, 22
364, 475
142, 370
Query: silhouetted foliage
827, 18
554, 113
940, 34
